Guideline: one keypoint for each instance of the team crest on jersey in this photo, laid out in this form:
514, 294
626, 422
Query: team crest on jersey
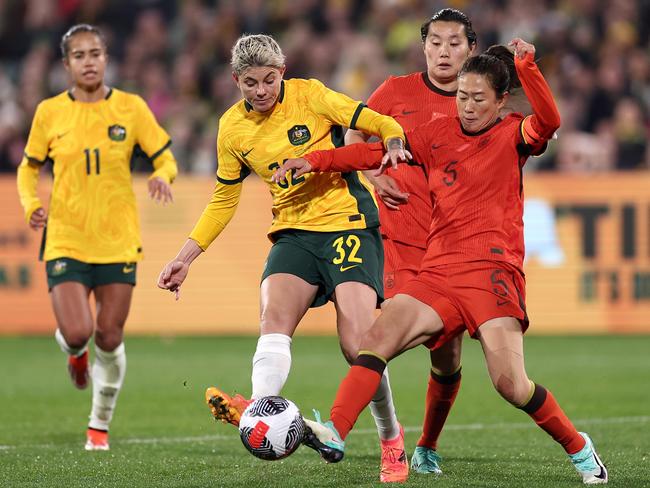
116, 133
59, 268
299, 134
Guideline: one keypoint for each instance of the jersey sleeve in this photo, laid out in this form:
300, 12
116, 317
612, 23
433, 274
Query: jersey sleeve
155, 142
217, 213
344, 111
360, 156
231, 172
538, 128
231, 168
38, 145
35, 156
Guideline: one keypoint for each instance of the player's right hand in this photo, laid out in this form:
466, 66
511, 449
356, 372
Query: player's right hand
521, 47
395, 152
172, 276
300, 166
38, 219
389, 192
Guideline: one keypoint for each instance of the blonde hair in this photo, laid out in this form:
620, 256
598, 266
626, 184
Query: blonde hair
256, 50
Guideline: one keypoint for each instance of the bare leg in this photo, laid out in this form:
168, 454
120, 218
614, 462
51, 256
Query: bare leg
73, 316
502, 342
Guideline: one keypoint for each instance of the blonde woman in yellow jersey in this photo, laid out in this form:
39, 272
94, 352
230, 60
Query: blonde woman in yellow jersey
91, 231
325, 226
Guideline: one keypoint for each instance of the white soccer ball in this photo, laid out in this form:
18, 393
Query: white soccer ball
272, 428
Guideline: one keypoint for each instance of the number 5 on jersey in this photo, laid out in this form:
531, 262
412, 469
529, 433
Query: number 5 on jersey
347, 248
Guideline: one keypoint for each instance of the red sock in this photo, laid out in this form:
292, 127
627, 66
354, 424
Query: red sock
355, 392
441, 393
545, 411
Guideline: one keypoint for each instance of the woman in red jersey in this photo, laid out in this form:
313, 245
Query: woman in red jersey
471, 276
448, 39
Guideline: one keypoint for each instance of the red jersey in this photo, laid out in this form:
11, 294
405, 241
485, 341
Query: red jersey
476, 187
474, 180
411, 100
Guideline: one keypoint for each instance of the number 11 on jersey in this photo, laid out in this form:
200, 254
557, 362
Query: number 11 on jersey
88, 162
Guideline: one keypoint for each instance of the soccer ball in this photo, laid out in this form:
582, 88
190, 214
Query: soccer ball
271, 428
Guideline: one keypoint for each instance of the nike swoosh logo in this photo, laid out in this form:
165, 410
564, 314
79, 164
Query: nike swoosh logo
501, 302
345, 268
59, 136
128, 269
408, 112
436, 146
244, 154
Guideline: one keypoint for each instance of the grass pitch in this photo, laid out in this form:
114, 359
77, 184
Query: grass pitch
163, 434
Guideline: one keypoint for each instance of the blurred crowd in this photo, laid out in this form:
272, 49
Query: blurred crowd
175, 54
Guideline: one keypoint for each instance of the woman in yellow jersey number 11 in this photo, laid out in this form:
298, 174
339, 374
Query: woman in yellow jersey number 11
91, 237
326, 241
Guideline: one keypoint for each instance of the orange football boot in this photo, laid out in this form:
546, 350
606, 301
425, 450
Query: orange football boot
96, 440
224, 407
394, 465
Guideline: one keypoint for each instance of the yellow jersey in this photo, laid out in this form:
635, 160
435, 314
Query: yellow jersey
307, 116
92, 215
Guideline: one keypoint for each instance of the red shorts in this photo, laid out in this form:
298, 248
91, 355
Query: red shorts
401, 265
466, 295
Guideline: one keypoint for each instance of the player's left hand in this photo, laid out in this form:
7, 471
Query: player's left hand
395, 153
300, 166
172, 276
521, 48
160, 190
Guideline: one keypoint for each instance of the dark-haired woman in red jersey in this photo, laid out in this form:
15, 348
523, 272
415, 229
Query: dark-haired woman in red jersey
472, 273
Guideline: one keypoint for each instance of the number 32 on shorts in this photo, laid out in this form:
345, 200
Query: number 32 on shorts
347, 248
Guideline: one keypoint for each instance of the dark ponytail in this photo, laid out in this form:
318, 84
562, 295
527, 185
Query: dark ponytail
507, 56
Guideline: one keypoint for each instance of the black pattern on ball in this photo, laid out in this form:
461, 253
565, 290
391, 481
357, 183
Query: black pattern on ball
268, 406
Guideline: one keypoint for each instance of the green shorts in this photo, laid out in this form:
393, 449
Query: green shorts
327, 259
92, 275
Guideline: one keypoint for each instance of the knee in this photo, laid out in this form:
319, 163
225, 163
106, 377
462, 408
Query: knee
77, 339
514, 392
274, 320
107, 338
352, 343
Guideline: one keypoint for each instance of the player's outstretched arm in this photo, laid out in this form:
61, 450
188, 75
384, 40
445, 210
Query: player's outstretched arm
540, 126
174, 273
